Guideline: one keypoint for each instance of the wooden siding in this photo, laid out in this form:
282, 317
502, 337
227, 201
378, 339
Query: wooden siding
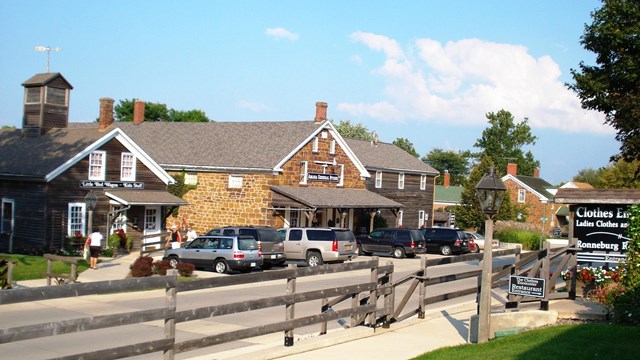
29, 204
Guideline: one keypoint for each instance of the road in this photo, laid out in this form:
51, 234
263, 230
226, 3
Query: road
55, 310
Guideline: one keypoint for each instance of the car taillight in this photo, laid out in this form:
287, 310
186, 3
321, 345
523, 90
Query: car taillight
334, 245
259, 253
259, 245
413, 244
457, 243
238, 255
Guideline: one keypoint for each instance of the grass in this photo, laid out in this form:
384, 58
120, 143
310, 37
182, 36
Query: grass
34, 267
582, 341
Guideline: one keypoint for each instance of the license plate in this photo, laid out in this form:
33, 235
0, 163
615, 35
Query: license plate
347, 247
274, 256
253, 264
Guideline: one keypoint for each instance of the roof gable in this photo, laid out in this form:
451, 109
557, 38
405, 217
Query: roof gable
43, 79
537, 186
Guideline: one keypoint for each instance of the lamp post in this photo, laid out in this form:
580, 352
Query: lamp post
90, 200
490, 192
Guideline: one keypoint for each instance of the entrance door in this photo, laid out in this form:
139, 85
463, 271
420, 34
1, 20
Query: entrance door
6, 226
152, 224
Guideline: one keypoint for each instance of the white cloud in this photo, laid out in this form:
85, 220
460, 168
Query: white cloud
281, 33
253, 106
460, 81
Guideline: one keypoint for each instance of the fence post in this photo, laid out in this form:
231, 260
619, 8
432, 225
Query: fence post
323, 309
290, 308
49, 269
573, 266
170, 300
373, 298
422, 291
10, 265
514, 271
74, 272
389, 299
544, 273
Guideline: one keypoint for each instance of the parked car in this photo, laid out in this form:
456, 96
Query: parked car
399, 242
479, 240
446, 241
269, 241
222, 253
317, 246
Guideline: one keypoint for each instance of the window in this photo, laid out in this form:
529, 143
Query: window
293, 219
303, 172
421, 218
341, 174
191, 178
332, 147
128, 167
120, 222
401, 181
315, 145
378, 179
295, 235
97, 161
423, 182
32, 95
521, 195
400, 217
7, 218
56, 96
76, 219
235, 182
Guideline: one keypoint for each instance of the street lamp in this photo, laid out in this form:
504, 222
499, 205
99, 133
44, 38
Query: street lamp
90, 200
490, 192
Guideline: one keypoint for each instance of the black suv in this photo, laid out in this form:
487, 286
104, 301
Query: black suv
270, 242
446, 241
399, 242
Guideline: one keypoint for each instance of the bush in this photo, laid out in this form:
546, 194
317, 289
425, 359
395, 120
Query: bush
530, 240
160, 267
185, 269
142, 267
626, 308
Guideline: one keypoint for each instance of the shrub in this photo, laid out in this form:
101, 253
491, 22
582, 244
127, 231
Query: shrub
142, 267
185, 269
530, 240
626, 307
160, 267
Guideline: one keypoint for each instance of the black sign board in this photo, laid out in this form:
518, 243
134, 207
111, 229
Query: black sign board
526, 286
95, 184
323, 177
601, 229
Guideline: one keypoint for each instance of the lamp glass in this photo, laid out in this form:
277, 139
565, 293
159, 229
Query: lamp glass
91, 199
490, 192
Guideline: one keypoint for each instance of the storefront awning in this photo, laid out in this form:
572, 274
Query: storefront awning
311, 197
144, 197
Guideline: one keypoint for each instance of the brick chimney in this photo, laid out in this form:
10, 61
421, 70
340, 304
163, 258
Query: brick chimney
106, 113
536, 172
321, 112
447, 179
512, 169
138, 112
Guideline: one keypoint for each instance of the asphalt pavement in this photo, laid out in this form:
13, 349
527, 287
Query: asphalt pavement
441, 327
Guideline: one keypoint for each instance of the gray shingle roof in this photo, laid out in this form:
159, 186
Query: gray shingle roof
538, 184
44, 78
336, 198
387, 156
144, 197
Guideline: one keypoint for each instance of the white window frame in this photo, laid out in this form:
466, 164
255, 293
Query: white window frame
100, 165
421, 218
522, 195
33, 91
341, 172
332, 147
314, 146
127, 162
303, 172
401, 181
400, 217
235, 182
76, 215
378, 179
423, 182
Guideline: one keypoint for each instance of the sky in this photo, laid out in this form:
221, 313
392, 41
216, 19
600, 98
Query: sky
427, 71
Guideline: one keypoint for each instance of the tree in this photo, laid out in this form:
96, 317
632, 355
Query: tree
353, 131
457, 163
621, 175
406, 145
503, 141
157, 112
590, 176
612, 86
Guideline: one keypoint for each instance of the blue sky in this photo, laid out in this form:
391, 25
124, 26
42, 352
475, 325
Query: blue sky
427, 71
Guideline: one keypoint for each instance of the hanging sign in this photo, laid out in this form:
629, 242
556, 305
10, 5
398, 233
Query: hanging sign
96, 184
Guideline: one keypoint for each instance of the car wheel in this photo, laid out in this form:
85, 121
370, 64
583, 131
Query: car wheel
220, 266
398, 252
445, 250
173, 261
314, 258
477, 249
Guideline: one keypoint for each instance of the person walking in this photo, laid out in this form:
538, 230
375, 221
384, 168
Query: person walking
176, 238
94, 241
191, 234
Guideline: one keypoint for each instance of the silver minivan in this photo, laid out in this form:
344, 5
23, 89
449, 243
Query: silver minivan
317, 246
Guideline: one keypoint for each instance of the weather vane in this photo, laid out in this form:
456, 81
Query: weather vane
48, 49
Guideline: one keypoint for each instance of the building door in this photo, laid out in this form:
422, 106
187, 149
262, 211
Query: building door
152, 227
8, 221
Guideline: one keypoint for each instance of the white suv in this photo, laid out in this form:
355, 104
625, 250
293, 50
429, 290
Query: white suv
319, 245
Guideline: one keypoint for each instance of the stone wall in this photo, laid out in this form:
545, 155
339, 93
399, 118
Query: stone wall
534, 207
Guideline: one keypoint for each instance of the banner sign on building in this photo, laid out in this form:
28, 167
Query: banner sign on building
94, 184
526, 286
323, 177
601, 230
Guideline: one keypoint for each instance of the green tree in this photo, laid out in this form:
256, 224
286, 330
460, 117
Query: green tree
590, 176
353, 131
621, 175
157, 112
457, 163
612, 86
406, 145
503, 142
